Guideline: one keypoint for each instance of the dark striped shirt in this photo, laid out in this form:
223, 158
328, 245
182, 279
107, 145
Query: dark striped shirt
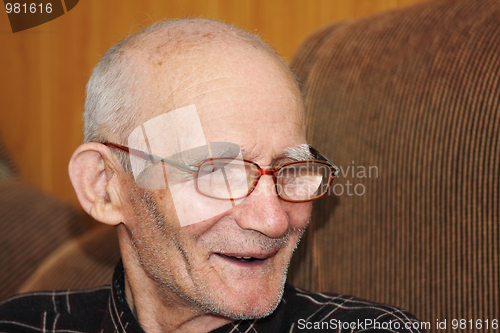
104, 309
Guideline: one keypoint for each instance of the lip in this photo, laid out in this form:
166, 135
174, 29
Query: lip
240, 263
257, 259
254, 255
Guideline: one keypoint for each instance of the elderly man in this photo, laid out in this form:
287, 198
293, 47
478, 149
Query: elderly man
195, 150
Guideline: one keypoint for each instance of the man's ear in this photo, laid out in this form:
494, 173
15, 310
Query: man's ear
99, 182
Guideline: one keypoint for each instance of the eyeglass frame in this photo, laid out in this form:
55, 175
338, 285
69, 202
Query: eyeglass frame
334, 170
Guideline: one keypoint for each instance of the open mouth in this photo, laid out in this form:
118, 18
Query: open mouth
241, 259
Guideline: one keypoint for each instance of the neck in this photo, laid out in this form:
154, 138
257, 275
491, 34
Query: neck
156, 307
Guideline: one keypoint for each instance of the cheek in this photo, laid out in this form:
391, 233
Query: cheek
151, 208
175, 207
298, 213
191, 207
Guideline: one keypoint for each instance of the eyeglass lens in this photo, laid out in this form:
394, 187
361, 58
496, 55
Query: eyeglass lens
234, 179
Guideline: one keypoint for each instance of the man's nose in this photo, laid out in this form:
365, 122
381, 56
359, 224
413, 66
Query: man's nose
263, 211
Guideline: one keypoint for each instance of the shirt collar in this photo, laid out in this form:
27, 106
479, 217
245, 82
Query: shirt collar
119, 317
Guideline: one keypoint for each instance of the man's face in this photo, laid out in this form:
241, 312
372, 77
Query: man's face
254, 104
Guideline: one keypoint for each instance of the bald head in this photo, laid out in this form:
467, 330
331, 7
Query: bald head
146, 70
191, 34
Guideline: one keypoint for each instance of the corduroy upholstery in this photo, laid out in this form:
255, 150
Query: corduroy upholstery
414, 93
33, 225
84, 262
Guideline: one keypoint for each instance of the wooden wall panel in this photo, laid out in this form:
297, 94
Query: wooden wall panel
44, 69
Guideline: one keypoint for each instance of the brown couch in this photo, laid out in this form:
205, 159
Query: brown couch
415, 94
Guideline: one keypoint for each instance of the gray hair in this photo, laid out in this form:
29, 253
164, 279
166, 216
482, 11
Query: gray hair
107, 99
108, 92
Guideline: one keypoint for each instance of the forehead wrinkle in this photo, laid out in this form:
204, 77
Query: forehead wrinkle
178, 86
193, 83
185, 93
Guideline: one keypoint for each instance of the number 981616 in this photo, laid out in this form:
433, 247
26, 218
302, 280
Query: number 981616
479, 324
28, 8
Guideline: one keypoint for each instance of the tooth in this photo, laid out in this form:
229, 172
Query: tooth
239, 257
247, 258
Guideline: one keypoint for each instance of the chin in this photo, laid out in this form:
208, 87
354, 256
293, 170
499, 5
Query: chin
242, 306
242, 299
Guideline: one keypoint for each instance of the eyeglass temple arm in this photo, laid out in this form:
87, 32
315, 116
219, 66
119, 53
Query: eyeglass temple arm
315, 152
150, 157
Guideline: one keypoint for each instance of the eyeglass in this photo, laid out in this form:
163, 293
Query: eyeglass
234, 178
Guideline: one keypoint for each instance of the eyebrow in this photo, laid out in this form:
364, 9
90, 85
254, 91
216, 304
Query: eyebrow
300, 152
